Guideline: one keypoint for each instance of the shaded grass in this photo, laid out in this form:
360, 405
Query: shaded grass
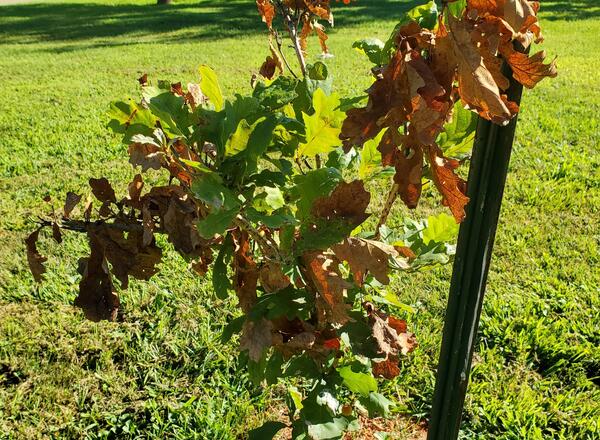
162, 372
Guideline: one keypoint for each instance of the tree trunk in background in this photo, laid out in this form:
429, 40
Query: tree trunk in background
163, 2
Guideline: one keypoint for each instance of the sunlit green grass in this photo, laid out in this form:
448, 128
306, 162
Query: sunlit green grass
163, 373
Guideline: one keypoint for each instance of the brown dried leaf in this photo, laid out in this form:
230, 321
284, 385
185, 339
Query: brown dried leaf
35, 260
71, 201
452, 187
390, 333
330, 287
87, 211
176, 89
348, 201
267, 11
194, 96
366, 256
272, 278
256, 337
528, 70
179, 216
135, 189
272, 63
102, 190
387, 368
146, 156
96, 294
126, 253
477, 86
56, 234
408, 162
246, 271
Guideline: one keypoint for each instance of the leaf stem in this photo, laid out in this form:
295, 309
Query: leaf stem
293, 31
391, 198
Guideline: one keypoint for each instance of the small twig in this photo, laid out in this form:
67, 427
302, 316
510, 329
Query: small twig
318, 161
283, 57
270, 251
299, 163
391, 198
83, 226
293, 31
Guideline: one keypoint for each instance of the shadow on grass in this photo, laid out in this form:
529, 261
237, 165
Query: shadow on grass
203, 19
125, 24
570, 10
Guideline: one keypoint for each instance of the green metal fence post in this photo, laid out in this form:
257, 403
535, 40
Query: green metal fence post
485, 187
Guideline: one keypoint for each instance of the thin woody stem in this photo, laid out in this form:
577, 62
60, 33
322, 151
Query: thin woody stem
391, 198
283, 57
293, 31
269, 250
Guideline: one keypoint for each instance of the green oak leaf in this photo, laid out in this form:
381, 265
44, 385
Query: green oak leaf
220, 278
372, 48
210, 189
457, 7
328, 430
239, 139
370, 158
360, 383
216, 222
266, 431
209, 84
456, 140
376, 404
440, 228
278, 93
234, 326
323, 127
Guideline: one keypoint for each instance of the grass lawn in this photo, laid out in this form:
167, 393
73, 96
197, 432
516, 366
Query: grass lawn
163, 372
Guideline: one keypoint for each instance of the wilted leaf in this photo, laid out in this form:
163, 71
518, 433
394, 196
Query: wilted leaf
126, 253
96, 294
391, 337
256, 338
102, 190
408, 163
331, 287
267, 11
476, 84
35, 260
452, 187
366, 256
135, 189
387, 368
529, 70
348, 202
56, 234
246, 271
146, 155
71, 201
272, 278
